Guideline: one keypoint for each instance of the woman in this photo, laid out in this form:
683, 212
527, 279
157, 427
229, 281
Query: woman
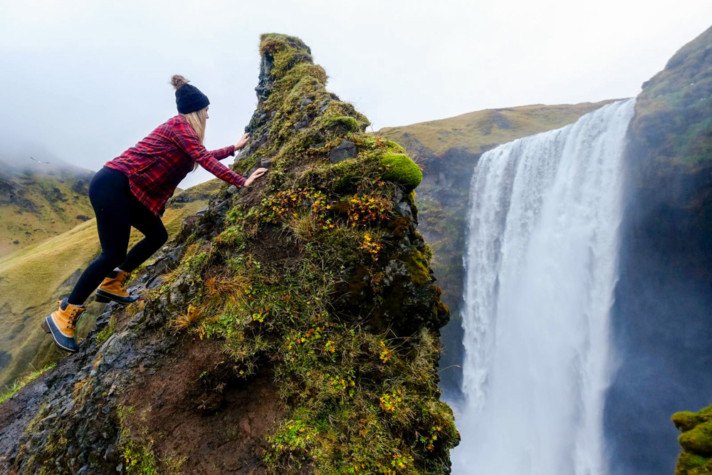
132, 190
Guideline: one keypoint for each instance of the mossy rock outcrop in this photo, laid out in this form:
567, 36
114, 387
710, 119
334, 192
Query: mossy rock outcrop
290, 328
696, 441
400, 168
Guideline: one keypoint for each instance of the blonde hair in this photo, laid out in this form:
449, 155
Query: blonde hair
196, 119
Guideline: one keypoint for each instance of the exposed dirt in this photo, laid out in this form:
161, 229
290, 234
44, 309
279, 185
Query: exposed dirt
200, 417
276, 248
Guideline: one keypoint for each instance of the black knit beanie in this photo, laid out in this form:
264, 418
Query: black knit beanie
188, 97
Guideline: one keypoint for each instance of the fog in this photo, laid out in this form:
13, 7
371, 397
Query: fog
85, 80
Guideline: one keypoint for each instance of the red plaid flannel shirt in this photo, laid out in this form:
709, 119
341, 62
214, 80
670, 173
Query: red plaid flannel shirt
157, 164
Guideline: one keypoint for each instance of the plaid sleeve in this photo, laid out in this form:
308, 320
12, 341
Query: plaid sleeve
187, 139
224, 152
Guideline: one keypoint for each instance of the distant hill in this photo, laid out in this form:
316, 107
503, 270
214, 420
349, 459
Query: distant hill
477, 132
448, 150
32, 278
38, 201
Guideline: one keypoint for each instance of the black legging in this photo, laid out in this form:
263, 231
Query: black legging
117, 209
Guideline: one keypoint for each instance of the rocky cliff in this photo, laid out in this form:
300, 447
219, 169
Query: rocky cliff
292, 327
661, 320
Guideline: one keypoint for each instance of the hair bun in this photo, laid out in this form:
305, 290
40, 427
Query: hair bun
178, 81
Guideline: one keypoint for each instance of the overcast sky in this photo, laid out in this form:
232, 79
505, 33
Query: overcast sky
84, 80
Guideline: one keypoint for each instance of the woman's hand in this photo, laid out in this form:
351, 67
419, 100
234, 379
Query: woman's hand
255, 175
242, 142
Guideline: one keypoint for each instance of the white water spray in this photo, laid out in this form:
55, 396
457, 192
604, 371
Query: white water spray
540, 271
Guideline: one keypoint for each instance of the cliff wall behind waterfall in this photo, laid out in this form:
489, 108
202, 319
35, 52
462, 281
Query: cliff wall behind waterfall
291, 327
661, 321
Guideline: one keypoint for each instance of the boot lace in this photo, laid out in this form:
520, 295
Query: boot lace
73, 316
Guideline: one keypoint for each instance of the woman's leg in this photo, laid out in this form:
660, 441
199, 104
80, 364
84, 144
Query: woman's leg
110, 197
155, 235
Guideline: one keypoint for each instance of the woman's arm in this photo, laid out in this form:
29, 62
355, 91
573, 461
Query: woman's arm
186, 138
224, 152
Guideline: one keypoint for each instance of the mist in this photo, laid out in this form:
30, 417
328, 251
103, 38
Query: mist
87, 80
661, 326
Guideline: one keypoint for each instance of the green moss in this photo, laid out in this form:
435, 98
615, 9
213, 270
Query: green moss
417, 264
244, 165
350, 123
685, 420
137, 452
691, 464
394, 147
139, 459
107, 331
400, 168
696, 441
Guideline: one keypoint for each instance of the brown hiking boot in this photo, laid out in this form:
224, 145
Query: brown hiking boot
61, 324
113, 288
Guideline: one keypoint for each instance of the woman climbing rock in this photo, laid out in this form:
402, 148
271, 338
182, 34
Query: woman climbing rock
132, 190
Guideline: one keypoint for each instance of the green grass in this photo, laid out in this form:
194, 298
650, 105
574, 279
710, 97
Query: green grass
34, 278
673, 111
10, 391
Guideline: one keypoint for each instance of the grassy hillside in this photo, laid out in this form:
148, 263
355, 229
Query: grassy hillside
37, 203
33, 278
476, 132
672, 114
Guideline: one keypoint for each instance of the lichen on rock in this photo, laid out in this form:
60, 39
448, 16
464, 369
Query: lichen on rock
294, 324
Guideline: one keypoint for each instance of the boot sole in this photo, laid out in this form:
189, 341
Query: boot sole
45, 327
105, 297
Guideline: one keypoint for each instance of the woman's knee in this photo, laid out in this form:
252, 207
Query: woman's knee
112, 259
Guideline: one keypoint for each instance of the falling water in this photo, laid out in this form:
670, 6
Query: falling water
541, 268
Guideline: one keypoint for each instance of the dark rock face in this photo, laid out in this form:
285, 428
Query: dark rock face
12, 194
662, 330
346, 149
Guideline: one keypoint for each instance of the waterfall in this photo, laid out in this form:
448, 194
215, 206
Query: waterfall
541, 264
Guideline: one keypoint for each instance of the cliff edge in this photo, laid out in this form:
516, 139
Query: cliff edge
291, 327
